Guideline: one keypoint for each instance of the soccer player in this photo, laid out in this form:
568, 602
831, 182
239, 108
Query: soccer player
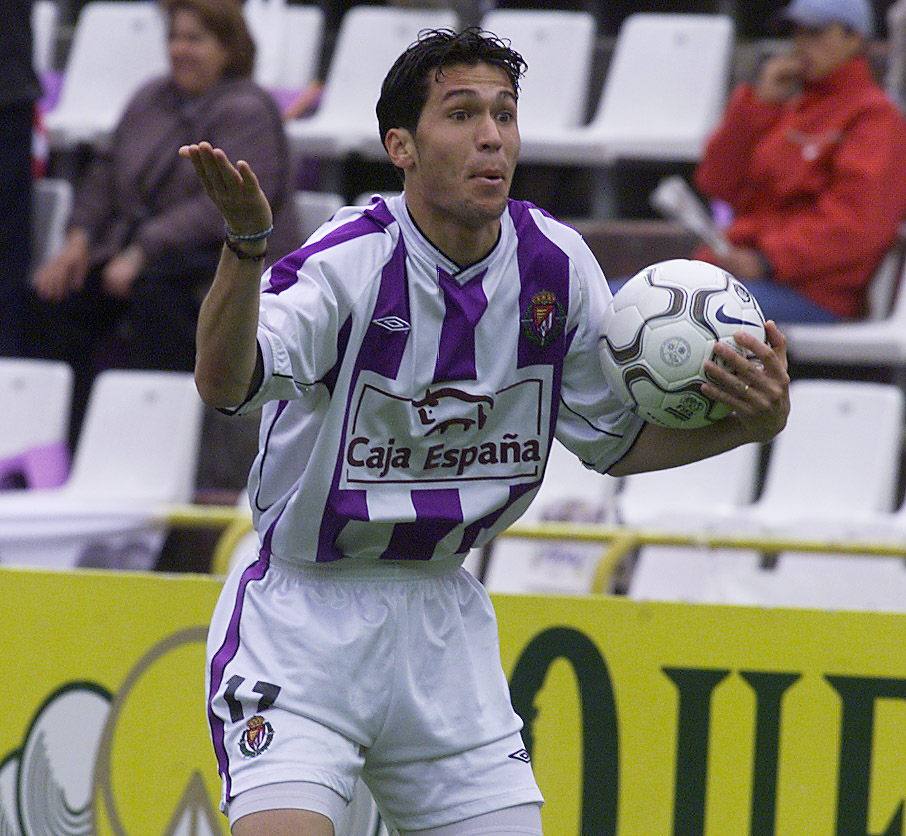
413, 362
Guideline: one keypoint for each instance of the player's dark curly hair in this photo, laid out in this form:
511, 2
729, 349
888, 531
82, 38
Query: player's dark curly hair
405, 89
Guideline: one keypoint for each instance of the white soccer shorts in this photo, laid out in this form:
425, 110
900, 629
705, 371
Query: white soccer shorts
384, 669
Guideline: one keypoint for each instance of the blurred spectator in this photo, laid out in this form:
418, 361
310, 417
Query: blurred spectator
19, 90
144, 239
812, 160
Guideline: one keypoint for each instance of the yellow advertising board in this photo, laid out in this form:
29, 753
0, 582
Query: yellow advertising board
642, 718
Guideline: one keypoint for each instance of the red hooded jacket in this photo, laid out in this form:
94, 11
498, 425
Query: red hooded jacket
817, 184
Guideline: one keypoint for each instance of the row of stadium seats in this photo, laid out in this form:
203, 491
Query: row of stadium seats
664, 89
831, 476
879, 340
118, 45
137, 451
663, 92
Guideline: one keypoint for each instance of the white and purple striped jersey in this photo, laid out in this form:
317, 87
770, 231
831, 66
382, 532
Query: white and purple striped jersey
408, 404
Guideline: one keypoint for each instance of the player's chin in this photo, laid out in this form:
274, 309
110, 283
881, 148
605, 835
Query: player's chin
490, 207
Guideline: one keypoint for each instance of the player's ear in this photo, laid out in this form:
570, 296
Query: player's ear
400, 145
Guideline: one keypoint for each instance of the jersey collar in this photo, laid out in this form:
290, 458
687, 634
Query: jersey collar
421, 247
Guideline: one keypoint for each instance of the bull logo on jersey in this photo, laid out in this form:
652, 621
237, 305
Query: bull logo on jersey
543, 319
257, 737
447, 434
435, 404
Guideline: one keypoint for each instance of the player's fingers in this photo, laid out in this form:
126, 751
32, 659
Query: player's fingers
732, 361
248, 177
195, 158
216, 167
777, 341
724, 378
740, 397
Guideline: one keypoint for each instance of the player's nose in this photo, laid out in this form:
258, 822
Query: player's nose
487, 132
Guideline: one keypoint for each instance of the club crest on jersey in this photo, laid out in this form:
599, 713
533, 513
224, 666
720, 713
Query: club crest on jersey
543, 319
257, 737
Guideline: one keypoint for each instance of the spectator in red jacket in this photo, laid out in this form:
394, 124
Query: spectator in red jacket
812, 160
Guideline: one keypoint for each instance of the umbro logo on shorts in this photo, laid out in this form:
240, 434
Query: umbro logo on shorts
521, 755
392, 323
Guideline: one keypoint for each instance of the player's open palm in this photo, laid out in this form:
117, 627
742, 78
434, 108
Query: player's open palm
233, 188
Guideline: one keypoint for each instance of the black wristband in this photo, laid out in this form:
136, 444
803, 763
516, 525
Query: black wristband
241, 254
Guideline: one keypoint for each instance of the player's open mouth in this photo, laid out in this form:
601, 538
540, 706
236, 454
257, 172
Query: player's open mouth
492, 177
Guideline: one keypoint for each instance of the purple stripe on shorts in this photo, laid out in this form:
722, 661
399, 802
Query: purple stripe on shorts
465, 305
382, 352
227, 651
284, 274
437, 513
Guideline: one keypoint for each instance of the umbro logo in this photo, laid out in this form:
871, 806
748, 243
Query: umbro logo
521, 755
392, 323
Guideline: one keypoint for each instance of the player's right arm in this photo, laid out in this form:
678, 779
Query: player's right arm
227, 360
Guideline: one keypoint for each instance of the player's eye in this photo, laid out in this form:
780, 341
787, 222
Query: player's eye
459, 115
506, 116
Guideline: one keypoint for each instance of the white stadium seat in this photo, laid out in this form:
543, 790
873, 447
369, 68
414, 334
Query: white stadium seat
570, 492
117, 46
314, 209
664, 92
684, 499
137, 452
833, 466
288, 43
702, 490
880, 339
558, 47
34, 422
369, 41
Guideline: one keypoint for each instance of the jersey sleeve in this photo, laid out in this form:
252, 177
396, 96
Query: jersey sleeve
592, 422
297, 333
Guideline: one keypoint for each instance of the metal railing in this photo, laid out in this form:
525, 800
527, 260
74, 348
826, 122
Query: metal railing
621, 541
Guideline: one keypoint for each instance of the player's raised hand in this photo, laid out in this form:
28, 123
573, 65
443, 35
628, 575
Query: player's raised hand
233, 188
757, 389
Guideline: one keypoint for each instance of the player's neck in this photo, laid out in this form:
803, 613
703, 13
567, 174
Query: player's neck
463, 245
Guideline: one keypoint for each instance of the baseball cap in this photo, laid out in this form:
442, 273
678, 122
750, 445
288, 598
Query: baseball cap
854, 14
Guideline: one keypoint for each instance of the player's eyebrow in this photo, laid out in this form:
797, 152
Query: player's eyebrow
469, 92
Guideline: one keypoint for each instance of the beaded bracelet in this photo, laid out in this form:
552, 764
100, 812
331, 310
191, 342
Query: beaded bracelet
241, 254
255, 236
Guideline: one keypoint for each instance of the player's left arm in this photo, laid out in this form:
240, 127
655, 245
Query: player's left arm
756, 389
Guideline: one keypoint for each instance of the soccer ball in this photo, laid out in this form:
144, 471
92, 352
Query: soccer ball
661, 327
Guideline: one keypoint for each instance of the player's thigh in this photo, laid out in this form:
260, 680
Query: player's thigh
520, 820
283, 823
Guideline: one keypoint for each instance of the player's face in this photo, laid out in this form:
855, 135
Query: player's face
197, 58
465, 146
823, 50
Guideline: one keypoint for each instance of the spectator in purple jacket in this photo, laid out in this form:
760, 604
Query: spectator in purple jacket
144, 240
